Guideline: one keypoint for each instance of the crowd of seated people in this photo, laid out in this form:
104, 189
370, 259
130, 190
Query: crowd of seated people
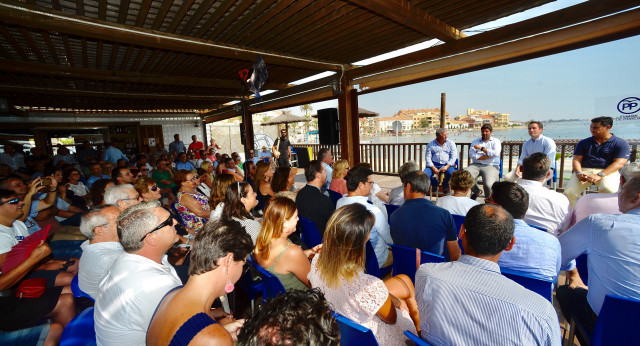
138, 255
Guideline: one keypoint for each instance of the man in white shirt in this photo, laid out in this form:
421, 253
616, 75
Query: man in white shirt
359, 185
139, 278
485, 157
122, 196
537, 144
547, 209
102, 248
325, 156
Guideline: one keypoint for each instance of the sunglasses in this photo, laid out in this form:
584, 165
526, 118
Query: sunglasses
167, 222
11, 201
154, 188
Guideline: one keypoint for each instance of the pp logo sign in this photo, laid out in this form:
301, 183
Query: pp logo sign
629, 105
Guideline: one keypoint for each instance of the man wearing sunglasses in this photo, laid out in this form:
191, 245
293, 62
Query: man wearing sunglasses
36, 208
139, 278
122, 196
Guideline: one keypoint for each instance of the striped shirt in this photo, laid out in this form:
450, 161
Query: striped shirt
469, 302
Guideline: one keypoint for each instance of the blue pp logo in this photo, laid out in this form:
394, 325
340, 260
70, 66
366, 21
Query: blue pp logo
629, 105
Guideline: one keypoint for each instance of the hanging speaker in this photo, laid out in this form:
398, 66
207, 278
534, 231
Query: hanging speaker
328, 126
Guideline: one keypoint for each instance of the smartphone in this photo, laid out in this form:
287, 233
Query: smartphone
46, 181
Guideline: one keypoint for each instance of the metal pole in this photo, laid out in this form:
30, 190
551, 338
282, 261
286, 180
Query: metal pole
443, 105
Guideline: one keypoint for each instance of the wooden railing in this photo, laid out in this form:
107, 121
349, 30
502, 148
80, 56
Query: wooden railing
387, 158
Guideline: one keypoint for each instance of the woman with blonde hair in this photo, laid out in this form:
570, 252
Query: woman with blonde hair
387, 308
208, 168
340, 170
264, 174
459, 202
275, 252
218, 193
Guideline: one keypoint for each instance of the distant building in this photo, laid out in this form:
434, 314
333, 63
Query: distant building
385, 124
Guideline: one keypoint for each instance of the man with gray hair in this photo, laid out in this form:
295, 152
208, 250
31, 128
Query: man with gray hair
102, 248
122, 196
139, 278
547, 209
440, 156
408, 222
396, 195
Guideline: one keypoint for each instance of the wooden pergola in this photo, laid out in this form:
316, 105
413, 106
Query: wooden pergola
183, 56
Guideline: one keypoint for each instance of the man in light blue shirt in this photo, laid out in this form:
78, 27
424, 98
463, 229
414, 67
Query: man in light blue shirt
537, 144
359, 183
469, 302
485, 158
536, 252
440, 157
113, 154
325, 156
183, 163
177, 147
612, 243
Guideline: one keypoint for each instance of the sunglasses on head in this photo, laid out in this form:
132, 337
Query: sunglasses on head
11, 201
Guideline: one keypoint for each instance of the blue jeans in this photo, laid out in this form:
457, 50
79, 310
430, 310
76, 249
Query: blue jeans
447, 175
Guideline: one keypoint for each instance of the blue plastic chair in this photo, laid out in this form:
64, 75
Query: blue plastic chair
404, 260
75, 289
617, 322
272, 285
371, 263
80, 331
335, 196
309, 232
583, 268
540, 286
459, 220
352, 333
390, 209
537, 227
416, 339
249, 285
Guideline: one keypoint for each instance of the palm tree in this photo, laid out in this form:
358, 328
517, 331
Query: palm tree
306, 109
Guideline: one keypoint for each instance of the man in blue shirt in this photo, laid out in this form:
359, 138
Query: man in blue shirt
440, 156
177, 147
535, 252
325, 156
538, 143
485, 158
183, 163
597, 159
113, 154
612, 245
419, 223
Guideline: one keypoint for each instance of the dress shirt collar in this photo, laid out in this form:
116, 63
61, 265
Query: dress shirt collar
480, 263
314, 186
360, 199
528, 182
635, 211
519, 222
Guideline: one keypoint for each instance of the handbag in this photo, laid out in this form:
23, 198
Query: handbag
31, 288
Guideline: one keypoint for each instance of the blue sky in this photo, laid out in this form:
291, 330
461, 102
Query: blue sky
559, 86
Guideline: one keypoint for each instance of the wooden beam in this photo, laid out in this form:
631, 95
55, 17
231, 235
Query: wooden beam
108, 94
617, 26
349, 144
547, 22
402, 12
46, 19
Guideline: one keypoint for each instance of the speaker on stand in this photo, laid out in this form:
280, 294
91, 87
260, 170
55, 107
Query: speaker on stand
328, 126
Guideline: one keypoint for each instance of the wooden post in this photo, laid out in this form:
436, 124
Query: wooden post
247, 120
349, 133
443, 106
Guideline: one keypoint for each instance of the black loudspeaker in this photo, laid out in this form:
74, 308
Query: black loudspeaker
328, 126
303, 156
243, 134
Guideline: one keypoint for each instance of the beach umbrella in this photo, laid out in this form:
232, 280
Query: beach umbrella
285, 118
362, 113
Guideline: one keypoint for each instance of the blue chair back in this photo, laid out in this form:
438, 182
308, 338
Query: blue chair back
272, 285
250, 286
371, 263
404, 260
540, 286
416, 339
80, 331
352, 333
537, 227
75, 289
309, 232
335, 196
583, 268
500, 173
617, 322
390, 209
459, 220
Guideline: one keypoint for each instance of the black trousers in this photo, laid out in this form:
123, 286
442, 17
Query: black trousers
574, 302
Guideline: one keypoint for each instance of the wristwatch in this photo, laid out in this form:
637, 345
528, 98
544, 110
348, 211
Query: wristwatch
601, 175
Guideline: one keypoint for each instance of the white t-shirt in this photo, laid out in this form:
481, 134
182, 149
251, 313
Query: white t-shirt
456, 205
128, 297
95, 262
217, 212
11, 236
80, 189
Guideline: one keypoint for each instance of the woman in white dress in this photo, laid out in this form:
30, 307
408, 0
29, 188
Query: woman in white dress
387, 307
